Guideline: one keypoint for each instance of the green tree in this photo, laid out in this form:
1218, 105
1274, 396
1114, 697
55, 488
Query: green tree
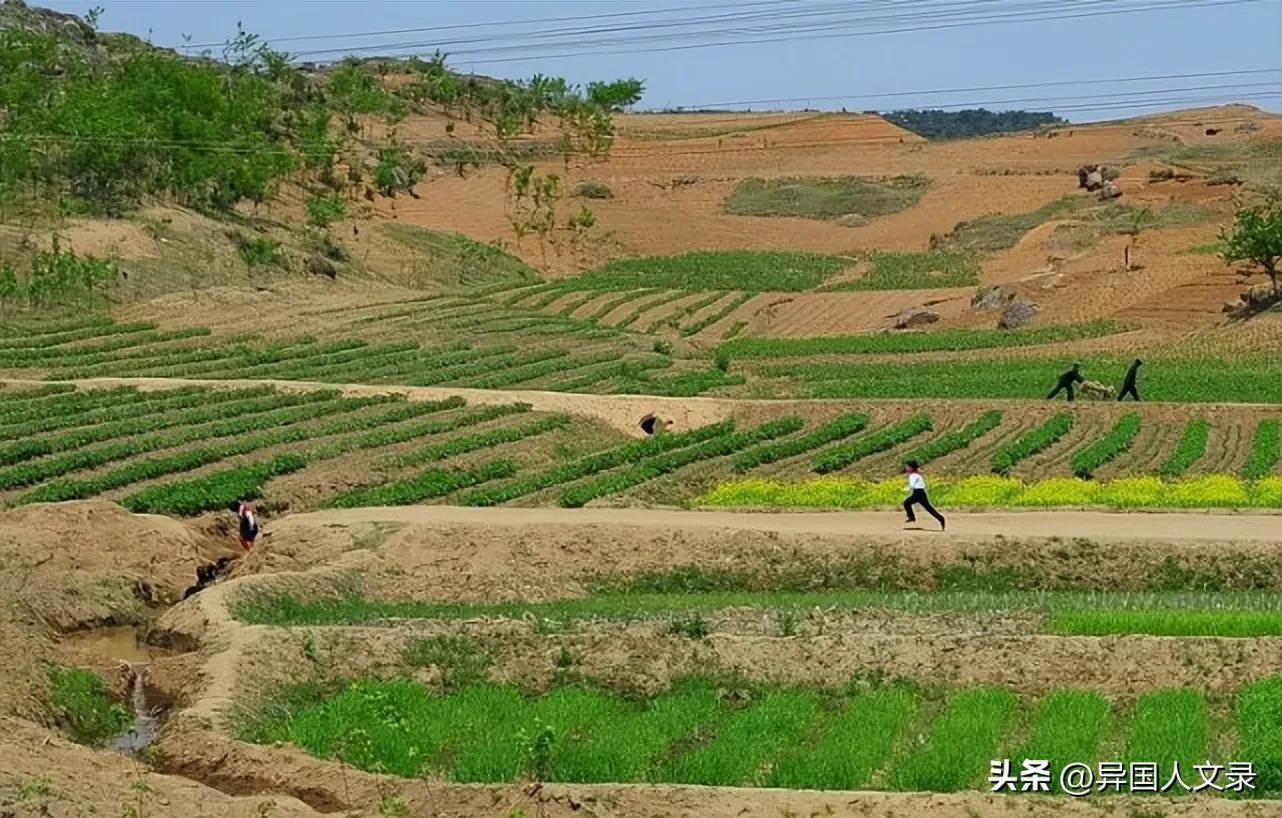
10, 286
1256, 236
617, 95
322, 211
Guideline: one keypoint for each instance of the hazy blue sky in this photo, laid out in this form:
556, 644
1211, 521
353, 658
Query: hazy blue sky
839, 56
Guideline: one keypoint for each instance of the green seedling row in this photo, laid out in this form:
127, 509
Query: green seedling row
950, 442
1266, 448
1191, 448
593, 464
43, 341
611, 304
833, 430
1258, 719
1085, 461
665, 298
841, 456
217, 490
1031, 442
520, 374
683, 385
480, 440
591, 375
699, 325
961, 743
425, 486
477, 369
1068, 726
1170, 726
61, 402
69, 355
130, 406
661, 464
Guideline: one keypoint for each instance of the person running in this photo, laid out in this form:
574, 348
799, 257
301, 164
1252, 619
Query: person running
248, 524
917, 495
1128, 383
1067, 381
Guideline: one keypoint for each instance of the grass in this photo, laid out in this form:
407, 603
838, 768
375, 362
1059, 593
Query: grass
1067, 726
845, 454
451, 259
1170, 726
814, 197
1189, 450
1266, 449
961, 743
1227, 614
917, 271
850, 747
999, 232
81, 706
700, 324
956, 439
884, 343
719, 270
1258, 719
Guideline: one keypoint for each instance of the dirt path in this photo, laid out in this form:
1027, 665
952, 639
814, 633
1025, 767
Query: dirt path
1040, 524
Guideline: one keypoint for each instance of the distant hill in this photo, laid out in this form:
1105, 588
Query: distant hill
937, 124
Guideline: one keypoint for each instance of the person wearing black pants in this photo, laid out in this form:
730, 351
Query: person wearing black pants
1066, 382
1128, 383
917, 495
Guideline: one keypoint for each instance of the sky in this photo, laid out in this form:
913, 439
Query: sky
856, 54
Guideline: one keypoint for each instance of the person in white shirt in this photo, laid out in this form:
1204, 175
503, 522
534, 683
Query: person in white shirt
917, 495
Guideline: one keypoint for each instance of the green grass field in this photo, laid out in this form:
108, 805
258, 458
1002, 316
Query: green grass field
826, 198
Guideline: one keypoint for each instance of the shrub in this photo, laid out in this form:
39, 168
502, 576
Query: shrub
82, 707
322, 211
258, 251
1085, 461
593, 190
1031, 442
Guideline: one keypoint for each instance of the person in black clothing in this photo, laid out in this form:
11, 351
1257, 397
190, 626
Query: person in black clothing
1128, 383
248, 521
1066, 382
917, 495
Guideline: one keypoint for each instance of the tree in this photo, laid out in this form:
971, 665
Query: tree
10, 286
617, 95
1256, 237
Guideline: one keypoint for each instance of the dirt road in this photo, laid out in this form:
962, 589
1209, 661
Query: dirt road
1167, 527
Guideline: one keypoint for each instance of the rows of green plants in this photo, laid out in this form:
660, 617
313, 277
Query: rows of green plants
218, 490
1266, 449
955, 440
593, 464
84, 352
1035, 440
171, 361
529, 372
370, 432
1086, 460
220, 361
840, 456
682, 385
481, 440
698, 325
992, 491
645, 305
760, 270
1189, 450
423, 486
629, 369
194, 408
890, 343
42, 339
295, 430
677, 316
836, 429
58, 404
897, 736
315, 405
1238, 380
122, 405
650, 468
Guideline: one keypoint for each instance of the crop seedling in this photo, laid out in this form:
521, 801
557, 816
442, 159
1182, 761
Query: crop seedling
841, 427
1031, 442
841, 456
1119, 439
961, 742
1266, 449
1191, 448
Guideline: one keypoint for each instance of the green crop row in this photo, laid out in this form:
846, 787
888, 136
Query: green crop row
140, 360
205, 407
658, 465
1191, 448
151, 468
841, 427
390, 436
399, 368
238, 357
50, 339
213, 491
593, 464
480, 440
1031, 442
628, 369
65, 355
130, 405
68, 402
611, 304
35, 471
888, 343
683, 385
1119, 439
529, 372
653, 303
674, 318
485, 367
1265, 449
430, 484
699, 325
957, 439
838, 457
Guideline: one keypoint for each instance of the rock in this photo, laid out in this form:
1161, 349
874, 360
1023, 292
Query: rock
1094, 180
915, 317
318, 265
1110, 173
1084, 172
1259, 294
1161, 174
992, 298
852, 220
1016, 314
1094, 390
1109, 190
1236, 305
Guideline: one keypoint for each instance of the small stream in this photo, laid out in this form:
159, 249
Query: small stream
122, 644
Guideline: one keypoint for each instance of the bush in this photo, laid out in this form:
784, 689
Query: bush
322, 211
593, 190
258, 251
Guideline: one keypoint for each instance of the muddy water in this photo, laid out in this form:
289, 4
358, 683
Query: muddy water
122, 644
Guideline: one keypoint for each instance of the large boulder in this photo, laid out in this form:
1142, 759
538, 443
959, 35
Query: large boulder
1110, 173
993, 298
1094, 180
1109, 190
915, 317
1016, 314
